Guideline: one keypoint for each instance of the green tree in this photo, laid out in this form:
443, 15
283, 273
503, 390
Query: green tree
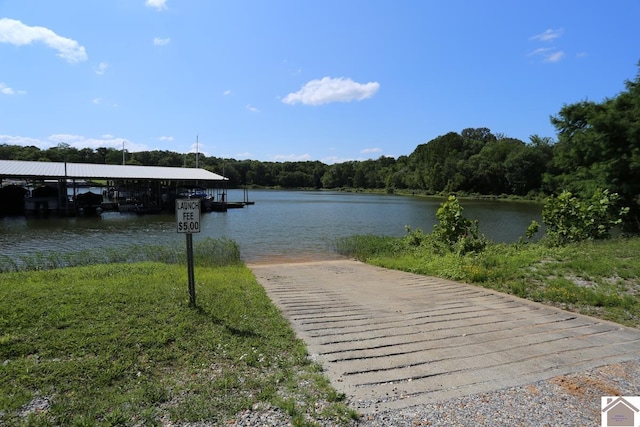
102, 154
339, 175
526, 166
599, 147
437, 161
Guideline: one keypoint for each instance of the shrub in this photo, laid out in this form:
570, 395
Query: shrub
414, 237
570, 219
460, 234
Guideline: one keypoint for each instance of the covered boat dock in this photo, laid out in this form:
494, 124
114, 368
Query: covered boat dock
43, 188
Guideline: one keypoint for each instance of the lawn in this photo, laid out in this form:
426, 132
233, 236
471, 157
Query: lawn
117, 344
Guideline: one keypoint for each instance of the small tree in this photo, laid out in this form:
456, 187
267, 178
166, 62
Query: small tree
458, 233
570, 219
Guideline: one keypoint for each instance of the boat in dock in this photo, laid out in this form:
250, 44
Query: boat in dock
89, 203
70, 189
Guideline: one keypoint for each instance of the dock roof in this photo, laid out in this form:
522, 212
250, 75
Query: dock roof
51, 170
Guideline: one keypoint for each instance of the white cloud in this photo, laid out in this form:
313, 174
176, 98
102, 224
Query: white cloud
554, 56
548, 35
161, 42
75, 141
371, 150
66, 138
548, 54
252, 108
335, 159
101, 101
22, 141
328, 90
291, 157
198, 148
6, 90
102, 67
16, 33
109, 141
156, 4
540, 51
226, 92
165, 138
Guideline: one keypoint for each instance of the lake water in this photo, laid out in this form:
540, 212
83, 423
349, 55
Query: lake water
282, 225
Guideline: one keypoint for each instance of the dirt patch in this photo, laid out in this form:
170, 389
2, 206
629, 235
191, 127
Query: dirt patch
582, 282
583, 386
532, 389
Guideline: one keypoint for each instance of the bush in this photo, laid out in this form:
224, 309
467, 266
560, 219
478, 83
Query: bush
459, 234
570, 219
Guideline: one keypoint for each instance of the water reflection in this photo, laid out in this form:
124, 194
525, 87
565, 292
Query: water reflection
281, 225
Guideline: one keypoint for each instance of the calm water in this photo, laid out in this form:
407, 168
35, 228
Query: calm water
281, 225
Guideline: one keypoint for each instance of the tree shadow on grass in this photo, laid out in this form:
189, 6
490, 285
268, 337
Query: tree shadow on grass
211, 317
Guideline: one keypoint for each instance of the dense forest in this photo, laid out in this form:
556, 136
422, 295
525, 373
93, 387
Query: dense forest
473, 161
598, 146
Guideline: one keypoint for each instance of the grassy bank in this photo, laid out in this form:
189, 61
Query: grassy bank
598, 278
116, 344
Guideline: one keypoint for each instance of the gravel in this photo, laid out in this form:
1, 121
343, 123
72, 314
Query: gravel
567, 400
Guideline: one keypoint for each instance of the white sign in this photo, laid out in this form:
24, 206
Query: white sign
188, 215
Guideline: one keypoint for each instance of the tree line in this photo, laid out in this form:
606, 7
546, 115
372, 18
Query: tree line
597, 147
473, 161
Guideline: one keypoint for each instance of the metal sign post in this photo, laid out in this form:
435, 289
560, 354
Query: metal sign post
188, 222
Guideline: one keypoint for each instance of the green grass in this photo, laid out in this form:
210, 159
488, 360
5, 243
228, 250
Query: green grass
117, 344
598, 278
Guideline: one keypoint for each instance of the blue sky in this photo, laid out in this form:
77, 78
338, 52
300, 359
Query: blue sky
294, 80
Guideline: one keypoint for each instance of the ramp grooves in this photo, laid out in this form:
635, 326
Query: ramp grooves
390, 339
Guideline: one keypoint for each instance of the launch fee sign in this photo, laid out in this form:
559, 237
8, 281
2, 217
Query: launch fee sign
188, 215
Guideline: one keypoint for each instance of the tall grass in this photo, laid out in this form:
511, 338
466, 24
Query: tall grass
359, 246
207, 252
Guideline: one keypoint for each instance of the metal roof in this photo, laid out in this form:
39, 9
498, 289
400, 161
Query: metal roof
23, 169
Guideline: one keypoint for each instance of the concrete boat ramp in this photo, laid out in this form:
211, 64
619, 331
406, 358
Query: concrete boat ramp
391, 340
